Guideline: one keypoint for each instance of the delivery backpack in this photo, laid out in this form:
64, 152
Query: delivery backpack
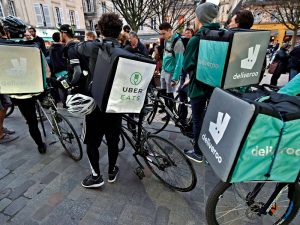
245, 140
121, 79
231, 58
23, 68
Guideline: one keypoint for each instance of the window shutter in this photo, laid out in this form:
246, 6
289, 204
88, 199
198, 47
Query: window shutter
68, 16
62, 16
39, 15
77, 20
55, 16
84, 6
47, 15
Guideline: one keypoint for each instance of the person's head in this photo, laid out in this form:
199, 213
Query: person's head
2, 32
27, 36
242, 19
56, 37
66, 33
205, 13
126, 28
285, 46
110, 25
32, 31
13, 27
133, 39
189, 33
165, 30
90, 36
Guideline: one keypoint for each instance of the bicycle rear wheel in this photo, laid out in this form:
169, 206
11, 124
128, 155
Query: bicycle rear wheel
169, 164
228, 204
68, 137
153, 120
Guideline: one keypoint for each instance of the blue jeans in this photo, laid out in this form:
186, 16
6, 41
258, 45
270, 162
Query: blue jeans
293, 73
198, 112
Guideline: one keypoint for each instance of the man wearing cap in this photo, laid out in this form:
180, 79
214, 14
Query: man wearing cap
198, 92
77, 64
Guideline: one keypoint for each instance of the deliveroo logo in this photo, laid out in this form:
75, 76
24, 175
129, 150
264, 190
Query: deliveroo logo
249, 62
136, 78
19, 67
217, 130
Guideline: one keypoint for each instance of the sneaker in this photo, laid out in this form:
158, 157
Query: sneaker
92, 182
7, 138
193, 156
42, 149
7, 131
113, 176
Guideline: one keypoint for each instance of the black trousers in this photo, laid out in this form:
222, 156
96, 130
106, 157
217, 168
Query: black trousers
28, 110
98, 124
275, 78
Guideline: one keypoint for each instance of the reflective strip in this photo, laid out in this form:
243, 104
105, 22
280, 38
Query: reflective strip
74, 61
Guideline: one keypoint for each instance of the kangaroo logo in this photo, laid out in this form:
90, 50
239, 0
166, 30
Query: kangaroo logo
249, 62
217, 130
19, 67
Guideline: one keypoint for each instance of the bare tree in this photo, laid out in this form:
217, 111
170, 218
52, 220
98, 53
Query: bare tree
287, 13
135, 12
176, 12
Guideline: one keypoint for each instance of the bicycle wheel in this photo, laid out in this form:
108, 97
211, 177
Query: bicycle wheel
156, 118
228, 204
10, 110
169, 164
68, 137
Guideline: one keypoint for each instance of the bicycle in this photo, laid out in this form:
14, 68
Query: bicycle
61, 127
162, 157
157, 109
256, 203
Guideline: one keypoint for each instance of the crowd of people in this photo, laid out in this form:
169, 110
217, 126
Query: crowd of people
176, 63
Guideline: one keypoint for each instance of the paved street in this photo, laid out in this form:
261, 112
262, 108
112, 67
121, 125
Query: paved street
45, 189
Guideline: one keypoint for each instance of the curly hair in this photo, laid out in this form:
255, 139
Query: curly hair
110, 25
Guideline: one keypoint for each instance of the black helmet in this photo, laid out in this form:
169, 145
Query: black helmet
15, 26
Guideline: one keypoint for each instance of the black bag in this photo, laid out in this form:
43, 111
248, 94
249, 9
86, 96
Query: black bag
108, 58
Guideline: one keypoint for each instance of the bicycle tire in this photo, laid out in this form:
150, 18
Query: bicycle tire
71, 134
10, 110
153, 118
162, 152
218, 193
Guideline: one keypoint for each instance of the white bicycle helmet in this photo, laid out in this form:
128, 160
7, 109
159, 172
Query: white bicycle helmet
79, 104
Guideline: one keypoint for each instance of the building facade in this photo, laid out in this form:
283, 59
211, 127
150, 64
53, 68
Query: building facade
46, 15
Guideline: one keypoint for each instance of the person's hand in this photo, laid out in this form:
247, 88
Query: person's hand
185, 83
173, 83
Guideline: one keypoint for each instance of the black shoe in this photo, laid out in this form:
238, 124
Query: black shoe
92, 182
192, 155
42, 149
113, 176
160, 111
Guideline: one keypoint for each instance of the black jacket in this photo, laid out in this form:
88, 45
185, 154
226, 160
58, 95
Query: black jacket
41, 44
56, 56
295, 58
283, 58
140, 49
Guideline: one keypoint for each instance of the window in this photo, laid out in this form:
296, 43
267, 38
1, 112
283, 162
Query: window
103, 5
141, 27
57, 14
1, 10
12, 9
153, 23
42, 15
91, 25
72, 17
89, 6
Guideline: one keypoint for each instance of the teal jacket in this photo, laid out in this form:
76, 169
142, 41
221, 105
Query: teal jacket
170, 63
292, 87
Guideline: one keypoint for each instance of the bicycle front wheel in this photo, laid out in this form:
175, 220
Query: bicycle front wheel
230, 204
68, 137
169, 164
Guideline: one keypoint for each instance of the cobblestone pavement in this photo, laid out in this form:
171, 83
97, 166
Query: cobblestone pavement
45, 189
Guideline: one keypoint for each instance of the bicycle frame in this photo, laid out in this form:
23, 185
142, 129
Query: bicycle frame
268, 205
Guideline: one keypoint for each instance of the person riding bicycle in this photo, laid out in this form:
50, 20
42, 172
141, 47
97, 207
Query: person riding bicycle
15, 29
97, 123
